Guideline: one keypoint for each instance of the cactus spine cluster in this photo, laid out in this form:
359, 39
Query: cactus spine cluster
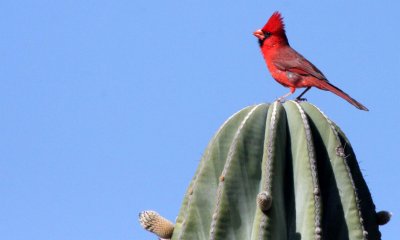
278, 171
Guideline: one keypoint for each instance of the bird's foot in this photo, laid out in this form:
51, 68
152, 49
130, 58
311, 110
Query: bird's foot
281, 99
301, 99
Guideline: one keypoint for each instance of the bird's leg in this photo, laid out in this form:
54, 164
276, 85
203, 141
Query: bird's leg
299, 98
282, 98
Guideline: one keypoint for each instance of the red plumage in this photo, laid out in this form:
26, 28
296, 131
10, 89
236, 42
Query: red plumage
275, 23
288, 67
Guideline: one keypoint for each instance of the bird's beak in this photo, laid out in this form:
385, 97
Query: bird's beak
259, 34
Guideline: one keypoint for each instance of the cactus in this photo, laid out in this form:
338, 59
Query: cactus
155, 223
278, 171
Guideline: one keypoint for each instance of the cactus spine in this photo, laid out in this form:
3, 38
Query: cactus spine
278, 172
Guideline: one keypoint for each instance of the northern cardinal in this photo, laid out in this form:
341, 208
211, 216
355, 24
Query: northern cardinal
288, 67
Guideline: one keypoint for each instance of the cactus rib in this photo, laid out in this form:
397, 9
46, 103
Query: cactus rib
221, 189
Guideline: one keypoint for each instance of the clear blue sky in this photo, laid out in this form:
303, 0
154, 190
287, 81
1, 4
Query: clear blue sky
106, 106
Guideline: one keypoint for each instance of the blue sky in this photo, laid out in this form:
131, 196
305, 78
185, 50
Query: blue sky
106, 106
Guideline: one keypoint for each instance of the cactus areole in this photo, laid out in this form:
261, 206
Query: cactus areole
278, 171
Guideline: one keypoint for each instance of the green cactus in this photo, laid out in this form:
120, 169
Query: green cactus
278, 172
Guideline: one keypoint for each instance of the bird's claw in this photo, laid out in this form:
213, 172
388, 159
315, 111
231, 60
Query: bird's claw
301, 99
281, 100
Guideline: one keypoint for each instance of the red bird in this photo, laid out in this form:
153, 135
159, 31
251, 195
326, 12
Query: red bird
288, 67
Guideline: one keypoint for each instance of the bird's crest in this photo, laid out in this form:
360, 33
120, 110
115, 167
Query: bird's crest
275, 24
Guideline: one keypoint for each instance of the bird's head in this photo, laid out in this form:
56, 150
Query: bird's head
273, 32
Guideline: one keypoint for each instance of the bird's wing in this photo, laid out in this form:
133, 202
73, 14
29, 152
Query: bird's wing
290, 60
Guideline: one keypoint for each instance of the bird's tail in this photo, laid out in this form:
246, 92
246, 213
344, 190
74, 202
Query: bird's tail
328, 86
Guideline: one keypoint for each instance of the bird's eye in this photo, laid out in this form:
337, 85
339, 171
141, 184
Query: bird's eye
267, 35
